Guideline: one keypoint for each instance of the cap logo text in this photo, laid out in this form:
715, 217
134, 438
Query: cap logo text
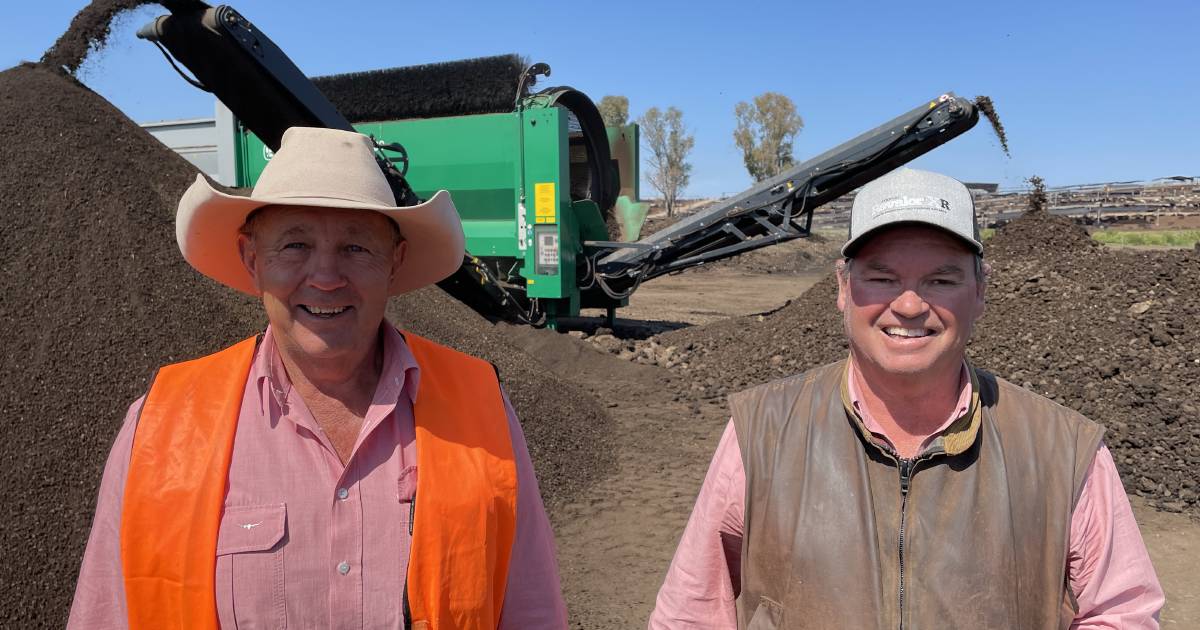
905, 202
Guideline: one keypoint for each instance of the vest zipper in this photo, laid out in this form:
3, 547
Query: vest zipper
906, 470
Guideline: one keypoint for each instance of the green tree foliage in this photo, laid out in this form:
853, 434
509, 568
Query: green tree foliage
669, 144
614, 110
765, 132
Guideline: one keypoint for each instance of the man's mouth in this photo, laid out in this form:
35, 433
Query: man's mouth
907, 333
324, 312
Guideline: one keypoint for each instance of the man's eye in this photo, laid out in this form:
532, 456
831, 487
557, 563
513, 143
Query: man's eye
295, 245
355, 249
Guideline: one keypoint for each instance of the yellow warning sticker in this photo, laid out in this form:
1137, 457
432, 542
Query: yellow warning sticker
544, 202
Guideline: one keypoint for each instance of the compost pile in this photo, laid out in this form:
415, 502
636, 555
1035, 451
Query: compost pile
97, 296
564, 426
1107, 332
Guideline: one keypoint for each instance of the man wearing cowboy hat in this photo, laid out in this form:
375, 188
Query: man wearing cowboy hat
333, 472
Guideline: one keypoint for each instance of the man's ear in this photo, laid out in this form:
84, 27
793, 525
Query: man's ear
842, 272
981, 288
249, 255
399, 254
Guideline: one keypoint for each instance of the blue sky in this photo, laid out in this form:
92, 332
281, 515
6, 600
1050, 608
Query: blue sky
1096, 91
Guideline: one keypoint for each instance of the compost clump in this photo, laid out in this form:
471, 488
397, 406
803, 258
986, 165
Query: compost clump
986, 107
88, 32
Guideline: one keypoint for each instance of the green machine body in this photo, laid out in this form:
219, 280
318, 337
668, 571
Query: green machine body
541, 191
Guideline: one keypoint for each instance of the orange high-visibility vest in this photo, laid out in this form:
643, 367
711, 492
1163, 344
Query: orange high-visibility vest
465, 516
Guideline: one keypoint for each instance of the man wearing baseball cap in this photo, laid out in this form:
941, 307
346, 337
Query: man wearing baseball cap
903, 487
333, 472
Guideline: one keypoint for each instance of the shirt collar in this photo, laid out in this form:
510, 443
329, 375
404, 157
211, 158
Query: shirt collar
400, 375
960, 421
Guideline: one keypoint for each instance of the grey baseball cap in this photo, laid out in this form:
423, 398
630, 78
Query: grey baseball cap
910, 196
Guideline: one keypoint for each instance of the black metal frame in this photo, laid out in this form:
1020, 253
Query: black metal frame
781, 208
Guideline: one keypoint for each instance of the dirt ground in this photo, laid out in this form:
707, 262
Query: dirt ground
616, 541
722, 293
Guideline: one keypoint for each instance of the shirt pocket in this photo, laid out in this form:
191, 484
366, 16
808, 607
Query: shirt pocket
249, 577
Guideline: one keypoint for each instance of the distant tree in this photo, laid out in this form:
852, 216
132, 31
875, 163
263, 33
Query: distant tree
765, 131
1037, 194
614, 110
669, 144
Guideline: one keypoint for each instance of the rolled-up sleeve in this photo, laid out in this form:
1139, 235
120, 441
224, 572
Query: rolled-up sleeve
100, 592
533, 595
705, 576
1109, 569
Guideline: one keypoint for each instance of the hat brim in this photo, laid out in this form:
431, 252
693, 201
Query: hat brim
208, 220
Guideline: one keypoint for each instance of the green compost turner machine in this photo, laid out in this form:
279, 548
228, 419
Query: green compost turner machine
547, 194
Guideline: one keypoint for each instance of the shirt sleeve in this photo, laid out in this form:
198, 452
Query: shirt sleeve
533, 596
100, 591
705, 576
1109, 569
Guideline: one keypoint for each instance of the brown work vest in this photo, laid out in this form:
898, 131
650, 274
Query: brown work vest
975, 535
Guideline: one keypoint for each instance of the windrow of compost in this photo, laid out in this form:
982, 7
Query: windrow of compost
1108, 332
97, 296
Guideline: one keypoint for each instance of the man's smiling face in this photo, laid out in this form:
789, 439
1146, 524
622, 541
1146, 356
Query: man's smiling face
324, 275
910, 299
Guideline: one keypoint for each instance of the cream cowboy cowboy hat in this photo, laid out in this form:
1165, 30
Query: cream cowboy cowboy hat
321, 168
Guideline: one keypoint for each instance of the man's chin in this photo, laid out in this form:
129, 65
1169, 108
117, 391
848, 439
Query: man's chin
905, 366
319, 347
911, 368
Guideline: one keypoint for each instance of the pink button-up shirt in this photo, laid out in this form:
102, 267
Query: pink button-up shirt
1108, 566
306, 541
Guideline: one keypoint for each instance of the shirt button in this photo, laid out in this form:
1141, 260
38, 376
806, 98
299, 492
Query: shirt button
343, 493
344, 568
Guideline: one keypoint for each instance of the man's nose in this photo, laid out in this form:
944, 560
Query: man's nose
325, 272
909, 304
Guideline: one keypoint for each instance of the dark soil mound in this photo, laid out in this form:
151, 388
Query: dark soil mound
88, 32
1040, 236
566, 428
97, 297
1110, 333
733, 354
